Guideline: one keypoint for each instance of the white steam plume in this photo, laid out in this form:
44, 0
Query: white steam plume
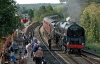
74, 9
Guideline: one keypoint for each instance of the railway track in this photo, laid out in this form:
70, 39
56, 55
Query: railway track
50, 57
85, 58
69, 59
79, 59
31, 28
93, 58
58, 57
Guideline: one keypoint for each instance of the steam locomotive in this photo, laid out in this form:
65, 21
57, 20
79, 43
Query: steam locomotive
67, 34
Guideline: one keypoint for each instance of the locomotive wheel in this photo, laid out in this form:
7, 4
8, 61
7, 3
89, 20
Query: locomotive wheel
64, 49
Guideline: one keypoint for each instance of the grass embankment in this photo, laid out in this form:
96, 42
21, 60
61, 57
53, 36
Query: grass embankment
94, 46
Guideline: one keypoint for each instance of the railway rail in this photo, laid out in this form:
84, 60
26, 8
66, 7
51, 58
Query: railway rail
31, 29
52, 57
76, 59
93, 58
79, 59
85, 58
48, 55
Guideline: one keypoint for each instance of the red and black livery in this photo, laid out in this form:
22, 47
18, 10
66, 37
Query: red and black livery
67, 34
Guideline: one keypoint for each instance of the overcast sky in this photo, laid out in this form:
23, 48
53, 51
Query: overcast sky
36, 1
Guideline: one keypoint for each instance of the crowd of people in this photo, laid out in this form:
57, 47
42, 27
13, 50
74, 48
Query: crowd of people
9, 54
33, 46
30, 45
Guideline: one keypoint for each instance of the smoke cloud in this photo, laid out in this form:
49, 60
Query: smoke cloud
74, 9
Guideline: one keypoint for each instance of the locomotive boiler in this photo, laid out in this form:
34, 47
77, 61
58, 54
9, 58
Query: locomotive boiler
67, 34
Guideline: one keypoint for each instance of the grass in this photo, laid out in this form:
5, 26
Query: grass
93, 46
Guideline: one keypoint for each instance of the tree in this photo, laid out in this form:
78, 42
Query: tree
42, 10
90, 21
30, 13
8, 20
49, 8
24, 10
96, 1
63, 11
36, 15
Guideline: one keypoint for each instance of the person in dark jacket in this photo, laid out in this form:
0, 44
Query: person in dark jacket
34, 49
49, 42
7, 55
38, 56
25, 52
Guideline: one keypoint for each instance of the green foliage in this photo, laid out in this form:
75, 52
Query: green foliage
96, 1
93, 47
8, 20
90, 20
49, 8
62, 10
35, 6
41, 10
31, 13
44, 11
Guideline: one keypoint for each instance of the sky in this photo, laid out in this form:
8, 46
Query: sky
36, 1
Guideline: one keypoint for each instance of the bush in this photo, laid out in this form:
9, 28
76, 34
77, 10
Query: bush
93, 47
